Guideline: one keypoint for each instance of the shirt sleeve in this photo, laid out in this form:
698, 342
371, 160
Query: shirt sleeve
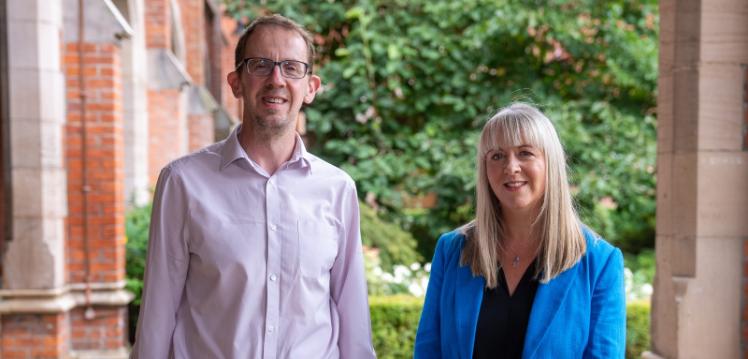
348, 285
428, 335
608, 312
165, 270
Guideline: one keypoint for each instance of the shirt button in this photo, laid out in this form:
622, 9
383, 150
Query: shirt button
273, 227
271, 329
273, 277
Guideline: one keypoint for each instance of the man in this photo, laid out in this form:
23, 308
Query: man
255, 249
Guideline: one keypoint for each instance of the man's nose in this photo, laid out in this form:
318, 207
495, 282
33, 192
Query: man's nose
276, 77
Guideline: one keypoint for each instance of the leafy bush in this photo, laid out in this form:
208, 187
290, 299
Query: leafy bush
393, 244
409, 84
637, 328
137, 223
394, 322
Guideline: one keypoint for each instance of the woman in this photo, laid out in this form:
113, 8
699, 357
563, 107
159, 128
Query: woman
525, 278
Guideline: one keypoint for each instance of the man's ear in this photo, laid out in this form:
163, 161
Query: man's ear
235, 82
314, 83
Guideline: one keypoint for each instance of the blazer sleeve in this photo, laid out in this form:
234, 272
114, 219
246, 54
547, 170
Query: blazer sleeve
608, 312
428, 336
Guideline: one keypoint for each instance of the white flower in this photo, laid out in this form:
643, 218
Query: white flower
388, 277
415, 289
401, 271
415, 266
427, 267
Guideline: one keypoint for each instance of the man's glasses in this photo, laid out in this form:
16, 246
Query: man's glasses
259, 66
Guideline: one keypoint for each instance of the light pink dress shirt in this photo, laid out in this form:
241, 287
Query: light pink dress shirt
242, 264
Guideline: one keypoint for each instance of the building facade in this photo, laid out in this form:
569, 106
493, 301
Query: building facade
95, 97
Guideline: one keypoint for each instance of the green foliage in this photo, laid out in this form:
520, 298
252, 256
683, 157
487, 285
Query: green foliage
409, 84
637, 329
642, 265
394, 320
394, 245
137, 223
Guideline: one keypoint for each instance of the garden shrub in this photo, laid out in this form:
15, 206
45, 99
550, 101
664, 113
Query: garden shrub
394, 245
394, 322
637, 328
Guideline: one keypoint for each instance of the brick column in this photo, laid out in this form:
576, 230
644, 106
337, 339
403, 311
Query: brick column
744, 299
104, 154
94, 152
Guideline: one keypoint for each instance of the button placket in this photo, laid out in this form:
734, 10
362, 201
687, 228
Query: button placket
272, 284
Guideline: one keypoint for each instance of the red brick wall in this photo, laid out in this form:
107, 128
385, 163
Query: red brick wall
200, 127
745, 108
157, 24
230, 31
745, 243
165, 131
193, 23
34, 336
107, 330
200, 131
104, 164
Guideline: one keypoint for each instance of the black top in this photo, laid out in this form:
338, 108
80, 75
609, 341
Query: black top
502, 322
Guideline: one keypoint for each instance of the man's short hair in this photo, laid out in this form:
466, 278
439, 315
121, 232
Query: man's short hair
274, 20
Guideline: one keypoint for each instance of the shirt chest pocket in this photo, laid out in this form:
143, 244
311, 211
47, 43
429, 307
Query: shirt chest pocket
317, 247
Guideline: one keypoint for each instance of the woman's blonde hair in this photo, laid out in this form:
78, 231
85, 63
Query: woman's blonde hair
557, 226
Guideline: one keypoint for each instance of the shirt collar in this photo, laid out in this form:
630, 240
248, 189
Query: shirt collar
232, 151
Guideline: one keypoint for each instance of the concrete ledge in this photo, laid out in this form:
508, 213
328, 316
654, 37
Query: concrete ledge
63, 299
650, 355
121, 353
63, 303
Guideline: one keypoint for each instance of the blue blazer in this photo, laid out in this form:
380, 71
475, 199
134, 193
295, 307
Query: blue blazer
579, 314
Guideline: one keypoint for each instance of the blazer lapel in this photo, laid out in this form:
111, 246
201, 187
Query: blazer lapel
548, 300
468, 300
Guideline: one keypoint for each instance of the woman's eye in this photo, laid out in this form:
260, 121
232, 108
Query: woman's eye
497, 156
525, 153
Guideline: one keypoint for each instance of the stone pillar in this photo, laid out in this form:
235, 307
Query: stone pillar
702, 180
135, 102
32, 315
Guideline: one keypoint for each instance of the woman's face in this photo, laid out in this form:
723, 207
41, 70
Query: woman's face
517, 177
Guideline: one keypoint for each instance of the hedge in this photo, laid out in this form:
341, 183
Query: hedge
394, 321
